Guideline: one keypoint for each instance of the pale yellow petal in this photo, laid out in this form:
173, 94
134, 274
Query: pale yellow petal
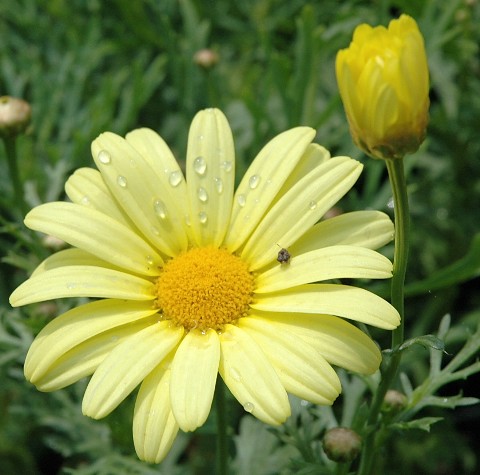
339, 342
76, 326
194, 374
251, 378
370, 229
71, 257
82, 281
83, 359
300, 366
96, 233
87, 188
159, 156
210, 176
340, 300
314, 156
126, 366
300, 208
263, 180
154, 426
334, 262
138, 189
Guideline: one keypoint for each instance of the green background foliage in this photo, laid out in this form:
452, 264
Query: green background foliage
87, 66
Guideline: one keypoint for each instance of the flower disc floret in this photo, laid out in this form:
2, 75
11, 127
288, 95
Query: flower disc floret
204, 288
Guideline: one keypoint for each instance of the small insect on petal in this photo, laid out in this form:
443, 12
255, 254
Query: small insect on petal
283, 256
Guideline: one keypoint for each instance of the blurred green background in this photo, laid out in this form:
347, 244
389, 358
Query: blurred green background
87, 66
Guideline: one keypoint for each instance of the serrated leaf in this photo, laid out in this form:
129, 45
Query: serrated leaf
427, 341
449, 402
423, 424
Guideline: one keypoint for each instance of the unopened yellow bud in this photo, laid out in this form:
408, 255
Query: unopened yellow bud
383, 81
15, 115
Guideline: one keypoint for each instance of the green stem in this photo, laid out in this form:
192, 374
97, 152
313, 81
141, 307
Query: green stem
402, 228
222, 447
11, 151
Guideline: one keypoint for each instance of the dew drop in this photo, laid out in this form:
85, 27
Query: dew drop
218, 185
312, 205
85, 200
241, 200
227, 166
114, 338
202, 194
390, 203
187, 220
235, 375
104, 157
202, 216
160, 209
71, 285
175, 178
249, 407
122, 181
133, 163
254, 181
155, 231
150, 260
200, 165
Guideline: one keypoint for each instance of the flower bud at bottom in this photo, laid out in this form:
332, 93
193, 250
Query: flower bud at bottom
394, 401
342, 444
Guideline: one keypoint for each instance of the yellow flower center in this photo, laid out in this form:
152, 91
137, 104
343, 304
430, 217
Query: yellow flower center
204, 288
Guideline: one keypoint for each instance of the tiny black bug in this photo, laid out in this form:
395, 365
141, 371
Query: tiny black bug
283, 256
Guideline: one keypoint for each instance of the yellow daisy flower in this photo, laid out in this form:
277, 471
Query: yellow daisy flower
192, 283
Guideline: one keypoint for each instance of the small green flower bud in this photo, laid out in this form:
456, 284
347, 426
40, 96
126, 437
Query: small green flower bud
394, 402
206, 58
342, 444
15, 115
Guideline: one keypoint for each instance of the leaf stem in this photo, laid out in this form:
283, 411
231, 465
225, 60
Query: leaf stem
11, 152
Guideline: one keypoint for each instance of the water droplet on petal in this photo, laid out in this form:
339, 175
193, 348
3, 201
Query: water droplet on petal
253, 181
249, 407
202, 216
390, 203
160, 209
71, 285
133, 163
104, 157
202, 194
312, 205
241, 200
200, 165
85, 200
175, 178
227, 166
155, 231
235, 375
218, 185
114, 338
187, 220
150, 260
122, 181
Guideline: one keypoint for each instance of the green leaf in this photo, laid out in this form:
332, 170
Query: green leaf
449, 402
423, 424
462, 270
427, 341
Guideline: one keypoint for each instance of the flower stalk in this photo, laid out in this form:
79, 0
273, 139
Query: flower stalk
402, 229
222, 441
